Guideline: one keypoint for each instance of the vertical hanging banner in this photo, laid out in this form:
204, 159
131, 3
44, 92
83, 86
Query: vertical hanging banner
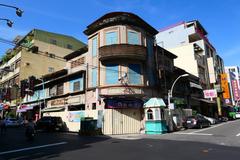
235, 90
224, 85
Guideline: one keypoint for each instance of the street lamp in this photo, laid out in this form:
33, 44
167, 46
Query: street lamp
169, 98
171, 90
19, 12
9, 22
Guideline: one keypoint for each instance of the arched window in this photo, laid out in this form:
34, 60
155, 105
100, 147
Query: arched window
149, 114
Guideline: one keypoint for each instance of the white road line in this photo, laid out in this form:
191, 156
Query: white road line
30, 148
198, 134
238, 134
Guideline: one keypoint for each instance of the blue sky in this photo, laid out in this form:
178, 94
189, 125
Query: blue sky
221, 19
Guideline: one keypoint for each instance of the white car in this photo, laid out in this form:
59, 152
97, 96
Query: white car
13, 122
211, 120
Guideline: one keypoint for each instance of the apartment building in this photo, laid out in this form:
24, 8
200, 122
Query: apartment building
37, 53
195, 54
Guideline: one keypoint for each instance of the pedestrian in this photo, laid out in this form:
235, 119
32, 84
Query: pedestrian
3, 126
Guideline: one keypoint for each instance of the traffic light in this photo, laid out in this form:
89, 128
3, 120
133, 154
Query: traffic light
24, 86
31, 81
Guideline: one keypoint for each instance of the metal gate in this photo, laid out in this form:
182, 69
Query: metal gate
122, 121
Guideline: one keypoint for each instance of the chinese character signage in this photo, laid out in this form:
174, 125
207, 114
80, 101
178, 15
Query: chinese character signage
224, 85
235, 90
211, 93
122, 103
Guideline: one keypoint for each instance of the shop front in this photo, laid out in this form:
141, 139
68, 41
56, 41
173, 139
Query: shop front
71, 109
123, 116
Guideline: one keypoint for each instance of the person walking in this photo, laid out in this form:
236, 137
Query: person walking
3, 126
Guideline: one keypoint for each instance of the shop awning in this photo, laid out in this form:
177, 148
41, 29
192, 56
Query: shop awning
53, 109
208, 101
154, 102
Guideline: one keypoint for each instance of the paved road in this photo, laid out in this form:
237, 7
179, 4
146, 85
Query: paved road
218, 142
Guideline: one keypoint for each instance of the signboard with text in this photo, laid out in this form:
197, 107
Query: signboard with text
210, 93
225, 87
235, 90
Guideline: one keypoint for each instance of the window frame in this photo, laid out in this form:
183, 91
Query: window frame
138, 36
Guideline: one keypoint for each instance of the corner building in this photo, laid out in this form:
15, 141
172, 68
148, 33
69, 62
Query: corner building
121, 71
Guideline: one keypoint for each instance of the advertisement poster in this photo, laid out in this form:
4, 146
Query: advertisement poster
75, 116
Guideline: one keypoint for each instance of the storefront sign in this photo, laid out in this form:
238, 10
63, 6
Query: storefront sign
75, 116
123, 103
211, 93
57, 102
235, 90
224, 85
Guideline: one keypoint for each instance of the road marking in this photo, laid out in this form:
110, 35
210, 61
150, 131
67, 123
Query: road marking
30, 148
198, 134
238, 134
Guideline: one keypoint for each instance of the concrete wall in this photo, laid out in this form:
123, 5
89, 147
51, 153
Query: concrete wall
185, 59
38, 64
174, 37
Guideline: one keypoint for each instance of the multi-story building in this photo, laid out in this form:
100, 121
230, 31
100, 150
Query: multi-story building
61, 93
233, 76
37, 53
122, 70
195, 54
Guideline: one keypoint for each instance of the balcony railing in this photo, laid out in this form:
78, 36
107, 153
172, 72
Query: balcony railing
116, 51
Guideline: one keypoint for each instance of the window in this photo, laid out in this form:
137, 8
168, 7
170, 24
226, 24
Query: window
149, 114
53, 91
94, 77
76, 85
111, 74
134, 74
94, 47
111, 38
50, 69
93, 106
53, 41
60, 89
133, 37
69, 46
17, 64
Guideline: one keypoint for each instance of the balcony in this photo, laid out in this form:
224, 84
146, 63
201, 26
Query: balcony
122, 51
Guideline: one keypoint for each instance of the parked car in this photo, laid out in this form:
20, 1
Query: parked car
211, 120
11, 122
197, 121
49, 123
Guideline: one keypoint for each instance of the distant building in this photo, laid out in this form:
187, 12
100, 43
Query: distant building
195, 54
37, 53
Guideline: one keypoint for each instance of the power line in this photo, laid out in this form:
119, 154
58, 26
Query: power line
62, 59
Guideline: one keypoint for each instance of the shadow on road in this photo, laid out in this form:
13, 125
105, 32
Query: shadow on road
14, 139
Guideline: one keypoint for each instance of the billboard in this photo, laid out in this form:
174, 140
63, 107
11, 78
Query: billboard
225, 87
